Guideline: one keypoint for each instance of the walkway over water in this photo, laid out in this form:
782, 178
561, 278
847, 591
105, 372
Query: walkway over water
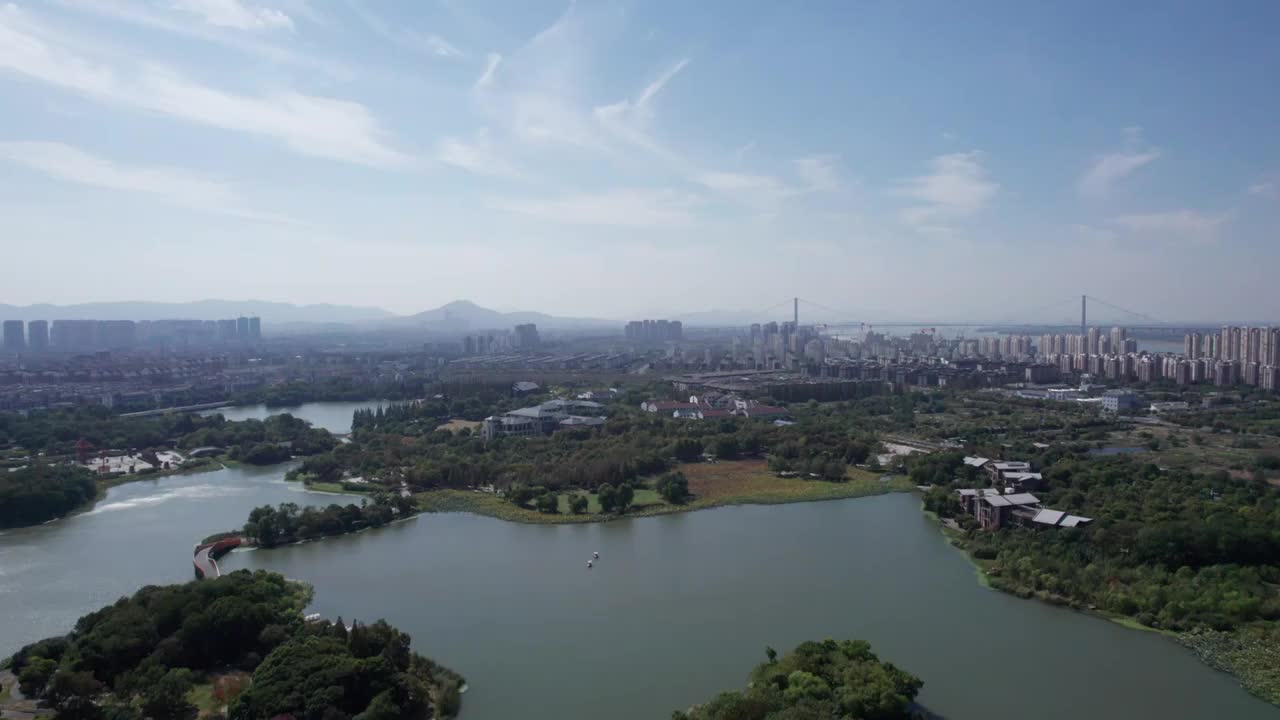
205, 557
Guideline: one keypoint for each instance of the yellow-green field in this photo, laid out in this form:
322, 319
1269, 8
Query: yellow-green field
741, 482
457, 424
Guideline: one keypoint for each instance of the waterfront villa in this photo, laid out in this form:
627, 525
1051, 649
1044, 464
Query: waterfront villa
994, 509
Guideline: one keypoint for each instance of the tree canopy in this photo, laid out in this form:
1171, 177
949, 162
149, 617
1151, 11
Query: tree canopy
819, 680
140, 656
42, 492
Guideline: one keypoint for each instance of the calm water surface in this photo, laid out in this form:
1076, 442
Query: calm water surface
680, 607
141, 533
332, 416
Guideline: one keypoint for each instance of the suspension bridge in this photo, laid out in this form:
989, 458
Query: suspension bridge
1113, 314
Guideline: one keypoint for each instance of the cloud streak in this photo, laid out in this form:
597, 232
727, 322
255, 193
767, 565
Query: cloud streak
236, 14
626, 207
172, 185
491, 64
476, 156
1108, 170
307, 124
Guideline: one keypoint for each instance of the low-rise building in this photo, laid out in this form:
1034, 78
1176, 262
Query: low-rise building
1118, 401
542, 419
994, 510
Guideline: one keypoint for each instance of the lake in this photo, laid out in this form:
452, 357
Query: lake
332, 416
141, 533
679, 607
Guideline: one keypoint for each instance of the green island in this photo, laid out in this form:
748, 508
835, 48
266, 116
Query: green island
54, 463
636, 463
825, 679
236, 647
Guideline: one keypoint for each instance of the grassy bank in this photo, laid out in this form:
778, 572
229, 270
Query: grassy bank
742, 482
1250, 653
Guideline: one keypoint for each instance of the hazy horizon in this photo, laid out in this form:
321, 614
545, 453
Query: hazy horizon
626, 159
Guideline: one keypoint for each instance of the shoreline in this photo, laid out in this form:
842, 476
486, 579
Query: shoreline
488, 505
103, 485
1258, 687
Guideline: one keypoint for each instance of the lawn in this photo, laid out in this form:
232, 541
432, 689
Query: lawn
202, 697
751, 482
739, 482
457, 424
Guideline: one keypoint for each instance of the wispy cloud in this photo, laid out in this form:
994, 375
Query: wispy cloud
173, 185
1175, 224
818, 172
441, 47
957, 188
628, 207
1265, 189
405, 37
1110, 168
629, 120
236, 14
738, 182
491, 64
307, 124
476, 156
255, 44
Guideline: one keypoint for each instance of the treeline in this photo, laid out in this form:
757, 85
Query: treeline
141, 657
338, 389
1176, 550
56, 432
43, 492
402, 445
826, 679
287, 523
261, 442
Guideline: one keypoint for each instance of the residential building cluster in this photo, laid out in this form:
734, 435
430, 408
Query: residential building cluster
41, 336
1093, 342
1009, 500
654, 330
522, 338
712, 405
1236, 356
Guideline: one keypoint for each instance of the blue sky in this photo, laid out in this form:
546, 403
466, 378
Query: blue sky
902, 160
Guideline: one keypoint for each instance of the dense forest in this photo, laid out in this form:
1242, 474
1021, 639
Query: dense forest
287, 523
141, 657
337, 389
1194, 554
1175, 550
43, 492
818, 680
261, 442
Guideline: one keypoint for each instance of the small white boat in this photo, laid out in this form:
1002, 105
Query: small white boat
596, 555
588, 564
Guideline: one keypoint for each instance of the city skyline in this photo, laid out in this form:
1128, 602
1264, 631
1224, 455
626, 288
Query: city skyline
402, 156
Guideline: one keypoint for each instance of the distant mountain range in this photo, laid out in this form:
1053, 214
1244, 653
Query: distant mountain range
270, 312
459, 316
464, 315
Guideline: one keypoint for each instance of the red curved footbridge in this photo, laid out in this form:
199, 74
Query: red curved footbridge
205, 558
